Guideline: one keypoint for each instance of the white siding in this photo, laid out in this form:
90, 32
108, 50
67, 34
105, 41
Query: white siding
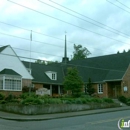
11, 61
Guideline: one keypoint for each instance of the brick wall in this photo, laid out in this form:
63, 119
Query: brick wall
105, 90
126, 82
6, 93
26, 82
38, 85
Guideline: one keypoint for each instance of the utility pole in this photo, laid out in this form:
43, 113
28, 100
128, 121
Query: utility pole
30, 85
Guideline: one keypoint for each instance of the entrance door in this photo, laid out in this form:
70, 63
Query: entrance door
116, 91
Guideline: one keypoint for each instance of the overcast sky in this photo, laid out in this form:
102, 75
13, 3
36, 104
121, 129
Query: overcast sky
102, 27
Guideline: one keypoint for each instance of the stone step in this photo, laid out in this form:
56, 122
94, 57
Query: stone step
117, 101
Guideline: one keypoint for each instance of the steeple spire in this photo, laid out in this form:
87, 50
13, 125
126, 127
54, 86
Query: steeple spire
65, 53
65, 59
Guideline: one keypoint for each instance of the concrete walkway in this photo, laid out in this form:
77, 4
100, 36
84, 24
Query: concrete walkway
11, 116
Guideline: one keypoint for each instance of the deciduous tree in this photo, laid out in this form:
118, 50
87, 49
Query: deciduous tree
80, 52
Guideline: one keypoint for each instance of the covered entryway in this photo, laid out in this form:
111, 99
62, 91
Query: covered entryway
55, 90
114, 89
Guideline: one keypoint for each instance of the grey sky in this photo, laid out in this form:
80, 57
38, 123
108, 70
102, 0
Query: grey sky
98, 10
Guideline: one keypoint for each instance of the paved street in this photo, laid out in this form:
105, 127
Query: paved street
104, 121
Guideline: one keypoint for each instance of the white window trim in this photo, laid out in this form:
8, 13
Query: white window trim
12, 78
51, 74
100, 87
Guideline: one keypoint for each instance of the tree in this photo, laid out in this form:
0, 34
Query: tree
80, 52
45, 62
73, 82
118, 52
89, 89
40, 61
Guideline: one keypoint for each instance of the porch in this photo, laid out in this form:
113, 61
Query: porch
114, 89
55, 90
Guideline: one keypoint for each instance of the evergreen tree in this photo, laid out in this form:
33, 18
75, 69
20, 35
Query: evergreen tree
73, 82
90, 89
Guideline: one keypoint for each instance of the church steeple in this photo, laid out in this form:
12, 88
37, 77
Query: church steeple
65, 53
65, 59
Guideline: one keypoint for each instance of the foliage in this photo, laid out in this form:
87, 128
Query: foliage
122, 99
80, 52
2, 96
108, 100
10, 97
26, 95
25, 89
73, 82
128, 101
40, 61
96, 100
32, 101
45, 62
52, 101
2, 102
90, 90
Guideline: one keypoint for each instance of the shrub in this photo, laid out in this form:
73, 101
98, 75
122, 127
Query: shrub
2, 96
3, 102
10, 97
31, 100
78, 101
15, 101
108, 100
128, 101
96, 100
122, 99
67, 102
84, 101
24, 95
25, 89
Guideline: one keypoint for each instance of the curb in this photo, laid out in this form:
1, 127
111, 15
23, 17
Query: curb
60, 115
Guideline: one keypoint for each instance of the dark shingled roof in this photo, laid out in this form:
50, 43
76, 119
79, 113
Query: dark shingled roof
2, 48
38, 72
102, 68
99, 69
9, 72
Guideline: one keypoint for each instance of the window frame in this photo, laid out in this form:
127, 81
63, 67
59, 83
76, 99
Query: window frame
11, 83
100, 88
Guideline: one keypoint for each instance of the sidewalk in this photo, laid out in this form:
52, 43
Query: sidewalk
11, 116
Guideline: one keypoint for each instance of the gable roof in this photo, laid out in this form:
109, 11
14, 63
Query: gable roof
9, 72
103, 68
38, 72
2, 48
99, 69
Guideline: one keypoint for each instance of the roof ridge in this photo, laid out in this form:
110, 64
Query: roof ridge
3, 47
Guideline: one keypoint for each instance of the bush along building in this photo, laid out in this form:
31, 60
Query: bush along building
110, 74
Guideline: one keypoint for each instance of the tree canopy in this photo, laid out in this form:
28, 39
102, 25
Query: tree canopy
73, 82
45, 62
80, 52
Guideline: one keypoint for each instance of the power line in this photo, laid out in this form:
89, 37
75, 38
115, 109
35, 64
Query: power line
118, 6
40, 34
123, 4
63, 63
29, 39
65, 22
88, 18
84, 19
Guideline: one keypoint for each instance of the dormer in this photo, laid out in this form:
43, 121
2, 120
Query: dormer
51, 74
